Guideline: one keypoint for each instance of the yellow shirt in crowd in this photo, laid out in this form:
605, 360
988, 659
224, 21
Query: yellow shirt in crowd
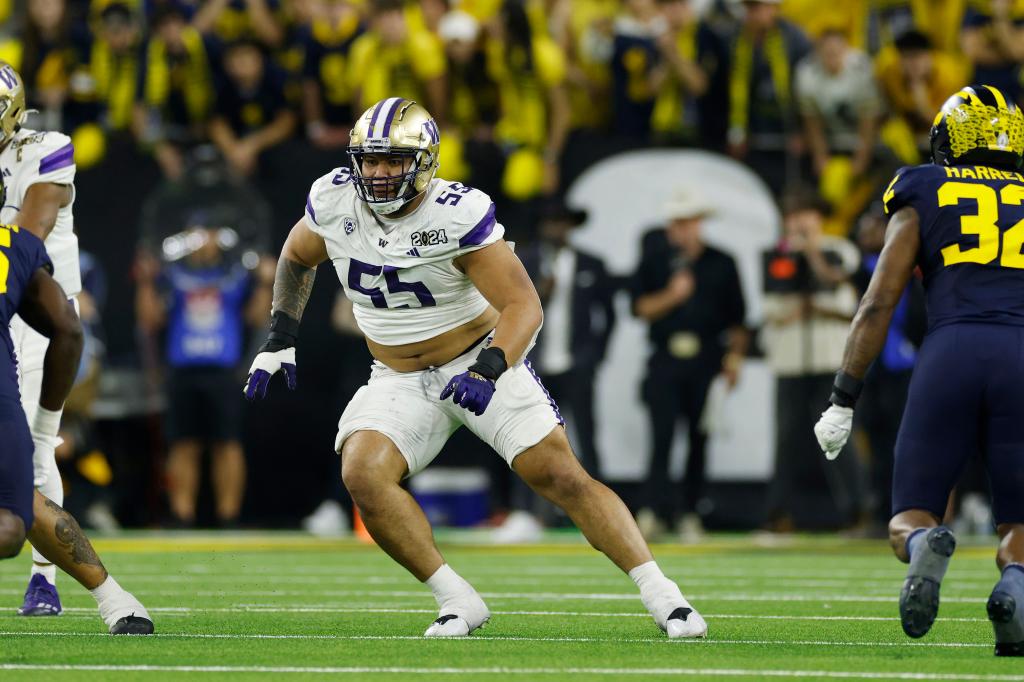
523, 92
377, 71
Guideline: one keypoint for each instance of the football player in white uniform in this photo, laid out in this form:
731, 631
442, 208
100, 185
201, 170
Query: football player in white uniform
37, 192
449, 314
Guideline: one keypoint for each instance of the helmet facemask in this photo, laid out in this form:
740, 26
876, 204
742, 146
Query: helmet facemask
387, 194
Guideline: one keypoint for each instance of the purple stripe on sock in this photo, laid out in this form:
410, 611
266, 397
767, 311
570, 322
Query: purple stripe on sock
481, 230
554, 406
391, 116
373, 121
63, 157
309, 209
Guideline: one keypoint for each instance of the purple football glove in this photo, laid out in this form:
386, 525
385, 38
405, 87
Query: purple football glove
471, 391
267, 365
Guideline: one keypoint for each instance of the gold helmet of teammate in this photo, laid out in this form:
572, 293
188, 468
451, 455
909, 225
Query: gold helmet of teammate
12, 102
978, 125
391, 128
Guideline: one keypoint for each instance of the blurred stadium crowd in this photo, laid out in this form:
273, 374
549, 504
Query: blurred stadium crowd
199, 124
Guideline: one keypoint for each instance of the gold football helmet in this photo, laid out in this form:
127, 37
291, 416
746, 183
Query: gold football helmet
12, 102
978, 125
394, 127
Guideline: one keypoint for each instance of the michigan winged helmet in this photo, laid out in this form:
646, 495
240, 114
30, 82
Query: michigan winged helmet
12, 102
394, 127
978, 125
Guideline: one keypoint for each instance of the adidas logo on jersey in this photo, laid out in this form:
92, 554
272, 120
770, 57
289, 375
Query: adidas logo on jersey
413, 252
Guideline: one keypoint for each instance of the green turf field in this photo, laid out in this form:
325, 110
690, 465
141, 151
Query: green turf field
286, 606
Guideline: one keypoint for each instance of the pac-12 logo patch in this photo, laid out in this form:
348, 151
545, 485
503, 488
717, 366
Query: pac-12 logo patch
350, 226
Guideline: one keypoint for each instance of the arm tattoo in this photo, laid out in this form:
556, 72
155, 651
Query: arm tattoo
292, 286
70, 535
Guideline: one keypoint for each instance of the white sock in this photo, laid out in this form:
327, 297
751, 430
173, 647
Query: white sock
49, 571
647, 576
446, 584
107, 591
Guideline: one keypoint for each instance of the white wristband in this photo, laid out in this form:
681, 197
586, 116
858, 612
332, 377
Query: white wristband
46, 422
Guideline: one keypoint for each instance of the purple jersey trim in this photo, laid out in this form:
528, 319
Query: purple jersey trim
309, 209
554, 406
481, 231
63, 157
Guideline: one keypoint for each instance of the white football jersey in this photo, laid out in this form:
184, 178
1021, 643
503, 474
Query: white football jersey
403, 282
33, 157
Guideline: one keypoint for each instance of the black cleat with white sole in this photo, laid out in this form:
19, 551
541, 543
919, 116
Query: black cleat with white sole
132, 625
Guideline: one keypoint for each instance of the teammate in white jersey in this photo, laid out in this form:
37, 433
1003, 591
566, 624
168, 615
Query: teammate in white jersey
37, 173
449, 314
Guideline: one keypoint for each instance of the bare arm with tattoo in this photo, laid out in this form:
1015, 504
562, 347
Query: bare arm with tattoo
296, 270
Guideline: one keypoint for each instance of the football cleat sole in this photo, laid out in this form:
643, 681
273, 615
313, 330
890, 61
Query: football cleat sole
451, 625
919, 605
132, 625
39, 611
1009, 631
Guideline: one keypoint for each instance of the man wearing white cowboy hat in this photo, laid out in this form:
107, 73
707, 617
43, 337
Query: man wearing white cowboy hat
690, 294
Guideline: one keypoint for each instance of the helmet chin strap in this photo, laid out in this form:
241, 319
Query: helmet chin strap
387, 207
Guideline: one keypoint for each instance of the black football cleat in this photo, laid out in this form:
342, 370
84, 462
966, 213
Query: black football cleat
1007, 623
919, 598
919, 605
132, 625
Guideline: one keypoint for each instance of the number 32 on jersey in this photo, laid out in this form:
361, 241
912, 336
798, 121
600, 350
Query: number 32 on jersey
984, 224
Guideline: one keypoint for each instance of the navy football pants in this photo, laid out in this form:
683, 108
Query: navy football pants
16, 489
966, 398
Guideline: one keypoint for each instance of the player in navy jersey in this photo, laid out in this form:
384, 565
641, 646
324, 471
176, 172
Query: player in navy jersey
28, 289
961, 220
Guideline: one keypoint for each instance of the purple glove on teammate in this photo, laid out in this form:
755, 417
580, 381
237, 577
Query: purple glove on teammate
474, 388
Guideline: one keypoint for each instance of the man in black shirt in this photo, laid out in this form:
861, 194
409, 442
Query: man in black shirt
253, 113
690, 294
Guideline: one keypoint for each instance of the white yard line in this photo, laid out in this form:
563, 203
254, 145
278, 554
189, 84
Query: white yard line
546, 582
364, 670
544, 596
504, 638
270, 608
696, 568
